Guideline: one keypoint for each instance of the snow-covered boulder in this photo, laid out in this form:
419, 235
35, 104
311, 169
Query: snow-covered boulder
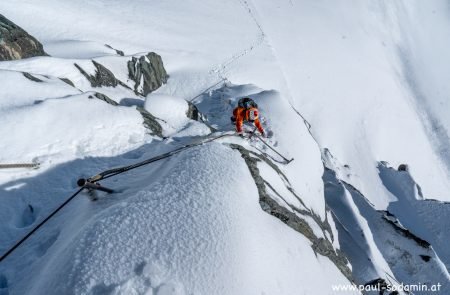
15, 43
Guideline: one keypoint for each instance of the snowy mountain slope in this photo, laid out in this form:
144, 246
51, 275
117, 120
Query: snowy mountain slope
416, 213
363, 114
56, 242
337, 64
371, 235
179, 232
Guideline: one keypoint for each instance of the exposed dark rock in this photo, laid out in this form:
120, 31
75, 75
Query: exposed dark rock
194, 114
103, 76
65, 80
425, 258
15, 43
403, 167
105, 98
31, 77
150, 122
147, 72
406, 233
119, 52
319, 245
377, 284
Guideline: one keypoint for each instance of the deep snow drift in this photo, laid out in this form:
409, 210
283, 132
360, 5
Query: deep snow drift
351, 86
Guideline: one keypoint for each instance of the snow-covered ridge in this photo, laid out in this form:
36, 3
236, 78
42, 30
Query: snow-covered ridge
197, 222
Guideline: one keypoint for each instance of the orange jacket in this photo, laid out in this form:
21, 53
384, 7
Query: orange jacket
242, 115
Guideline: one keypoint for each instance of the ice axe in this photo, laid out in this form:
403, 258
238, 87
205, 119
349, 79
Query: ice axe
284, 158
259, 137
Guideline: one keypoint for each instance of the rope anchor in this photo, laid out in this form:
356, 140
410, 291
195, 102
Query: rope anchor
92, 185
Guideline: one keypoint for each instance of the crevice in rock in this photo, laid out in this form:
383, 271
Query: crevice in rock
320, 245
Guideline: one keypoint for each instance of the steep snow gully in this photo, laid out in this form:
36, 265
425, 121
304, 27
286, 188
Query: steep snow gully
214, 213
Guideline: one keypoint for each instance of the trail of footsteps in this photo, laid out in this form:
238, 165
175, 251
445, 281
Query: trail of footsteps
220, 69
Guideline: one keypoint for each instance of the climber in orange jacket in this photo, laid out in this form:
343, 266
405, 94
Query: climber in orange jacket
246, 111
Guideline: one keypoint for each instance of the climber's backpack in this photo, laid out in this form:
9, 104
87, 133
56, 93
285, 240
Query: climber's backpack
247, 103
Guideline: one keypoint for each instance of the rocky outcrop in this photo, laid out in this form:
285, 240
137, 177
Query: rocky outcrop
147, 72
150, 122
67, 81
15, 43
292, 217
194, 114
119, 52
102, 77
31, 77
104, 97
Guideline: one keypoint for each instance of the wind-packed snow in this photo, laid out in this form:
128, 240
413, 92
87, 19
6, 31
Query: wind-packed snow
357, 86
78, 49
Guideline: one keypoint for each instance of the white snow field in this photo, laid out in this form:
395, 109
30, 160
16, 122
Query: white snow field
349, 89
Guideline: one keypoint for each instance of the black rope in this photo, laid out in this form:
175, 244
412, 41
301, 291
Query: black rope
113, 172
39, 225
210, 87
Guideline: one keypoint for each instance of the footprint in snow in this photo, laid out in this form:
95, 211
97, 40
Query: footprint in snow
3, 285
27, 218
42, 247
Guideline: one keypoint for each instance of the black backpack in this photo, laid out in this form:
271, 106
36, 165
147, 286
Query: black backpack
247, 103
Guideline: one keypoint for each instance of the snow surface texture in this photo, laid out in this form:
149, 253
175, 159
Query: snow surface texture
173, 112
361, 73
